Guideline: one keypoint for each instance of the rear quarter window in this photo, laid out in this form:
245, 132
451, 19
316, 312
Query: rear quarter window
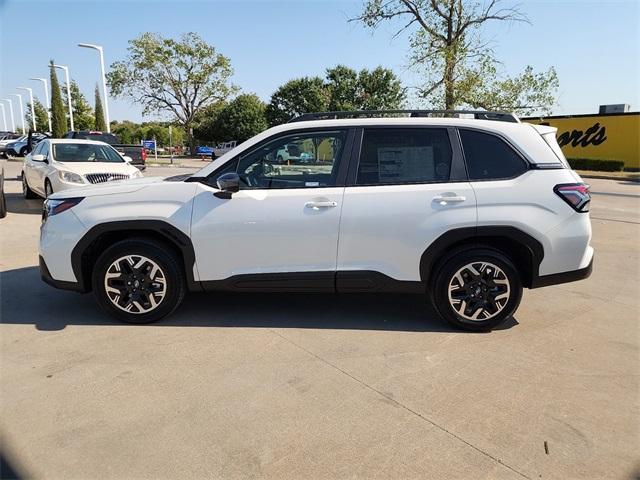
488, 157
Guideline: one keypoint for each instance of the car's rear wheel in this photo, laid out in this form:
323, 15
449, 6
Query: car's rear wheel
139, 281
26, 191
23, 152
477, 289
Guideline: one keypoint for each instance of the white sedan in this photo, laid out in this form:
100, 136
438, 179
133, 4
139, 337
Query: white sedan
61, 164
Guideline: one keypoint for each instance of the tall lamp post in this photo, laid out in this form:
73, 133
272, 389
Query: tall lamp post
21, 109
66, 72
13, 121
104, 81
33, 110
4, 117
46, 98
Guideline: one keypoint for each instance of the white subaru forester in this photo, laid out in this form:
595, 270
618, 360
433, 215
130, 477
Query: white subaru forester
466, 210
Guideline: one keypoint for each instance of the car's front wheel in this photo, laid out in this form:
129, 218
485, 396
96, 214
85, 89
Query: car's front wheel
477, 289
26, 191
139, 281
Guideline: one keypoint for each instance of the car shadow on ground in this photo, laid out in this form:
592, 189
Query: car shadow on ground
16, 203
25, 299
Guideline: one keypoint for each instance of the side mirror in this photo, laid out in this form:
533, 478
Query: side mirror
39, 158
127, 158
228, 183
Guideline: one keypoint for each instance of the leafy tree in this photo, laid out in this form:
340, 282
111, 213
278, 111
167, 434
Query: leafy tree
127, 131
58, 118
460, 68
82, 112
205, 122
42, 119
178, 77
98, 114
298, 96
342, 89
241, 119
378, 89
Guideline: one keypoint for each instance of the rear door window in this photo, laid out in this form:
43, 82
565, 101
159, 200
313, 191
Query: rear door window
397, 156
489, 157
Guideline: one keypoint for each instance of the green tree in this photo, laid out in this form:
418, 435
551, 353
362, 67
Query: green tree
241, 119
42, 119
378, 89
82, 111
98, 113
58, 118
298, 96
178, 77
447, 45
127, 131
205, 122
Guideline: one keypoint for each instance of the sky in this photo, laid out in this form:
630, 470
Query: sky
594, 45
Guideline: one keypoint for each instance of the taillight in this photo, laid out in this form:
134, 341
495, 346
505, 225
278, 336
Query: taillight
144, 155
575, 194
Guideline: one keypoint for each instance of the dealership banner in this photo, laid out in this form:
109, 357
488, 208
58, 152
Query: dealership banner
614, 136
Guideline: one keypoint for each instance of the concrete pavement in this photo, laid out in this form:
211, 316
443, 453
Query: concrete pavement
317, 386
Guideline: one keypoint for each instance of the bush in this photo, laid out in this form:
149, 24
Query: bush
597, 165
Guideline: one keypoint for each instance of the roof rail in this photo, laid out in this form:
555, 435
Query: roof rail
477, 114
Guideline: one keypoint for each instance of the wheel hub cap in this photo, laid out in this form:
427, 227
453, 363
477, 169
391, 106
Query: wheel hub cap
135, 284
479, 291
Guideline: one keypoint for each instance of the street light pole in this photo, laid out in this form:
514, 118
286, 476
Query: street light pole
104, 81
21, 110
13, 121
66, 72
46, 98
33, 110
4, 117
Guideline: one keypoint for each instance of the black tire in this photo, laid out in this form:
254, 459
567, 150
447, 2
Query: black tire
3, 205
26, 190
23, 152
48, 189
169, 265
479, 291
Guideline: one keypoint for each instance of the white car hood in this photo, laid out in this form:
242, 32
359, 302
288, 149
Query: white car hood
108, 188
83, 168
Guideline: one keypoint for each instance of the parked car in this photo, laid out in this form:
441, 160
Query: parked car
204, 150
60, 164
137, 153
223, 148
464, 211
5, 138
3, 200
19, 147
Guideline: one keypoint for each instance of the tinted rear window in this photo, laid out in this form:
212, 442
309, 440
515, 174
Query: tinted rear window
489, 157
100, 137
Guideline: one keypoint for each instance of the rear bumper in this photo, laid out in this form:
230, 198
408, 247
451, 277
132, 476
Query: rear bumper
563, 277
48, 279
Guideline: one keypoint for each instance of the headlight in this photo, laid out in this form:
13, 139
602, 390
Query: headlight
136, 174
54, 207
70, 177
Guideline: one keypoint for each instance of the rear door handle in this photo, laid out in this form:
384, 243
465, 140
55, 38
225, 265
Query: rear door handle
319, 205
444, 199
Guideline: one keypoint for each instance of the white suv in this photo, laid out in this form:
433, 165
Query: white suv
466, 211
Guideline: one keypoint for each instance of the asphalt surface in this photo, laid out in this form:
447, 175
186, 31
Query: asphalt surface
319, 386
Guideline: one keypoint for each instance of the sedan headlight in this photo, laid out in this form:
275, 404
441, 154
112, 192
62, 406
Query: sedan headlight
70, 177
136, 174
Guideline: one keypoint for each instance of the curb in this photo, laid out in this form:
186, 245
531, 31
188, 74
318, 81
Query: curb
599, 176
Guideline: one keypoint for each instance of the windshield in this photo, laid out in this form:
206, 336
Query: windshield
85, 152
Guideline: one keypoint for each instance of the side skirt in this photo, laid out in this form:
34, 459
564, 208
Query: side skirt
314, 282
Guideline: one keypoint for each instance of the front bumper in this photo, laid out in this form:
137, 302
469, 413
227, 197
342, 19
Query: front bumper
48, 279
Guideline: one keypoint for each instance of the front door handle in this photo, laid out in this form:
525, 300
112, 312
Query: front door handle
320, 204
447, 198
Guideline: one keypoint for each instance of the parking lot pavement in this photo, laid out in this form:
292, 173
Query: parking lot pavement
317, 386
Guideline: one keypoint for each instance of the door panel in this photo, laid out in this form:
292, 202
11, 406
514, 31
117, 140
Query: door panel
387, 228
266, 231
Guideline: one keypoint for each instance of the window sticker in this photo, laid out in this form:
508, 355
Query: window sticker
405, 164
